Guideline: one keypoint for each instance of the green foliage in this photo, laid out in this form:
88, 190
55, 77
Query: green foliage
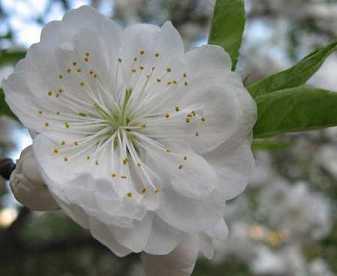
4, 108
12, 57
295, 109
228, 26
268, 144
6, 58
294, 76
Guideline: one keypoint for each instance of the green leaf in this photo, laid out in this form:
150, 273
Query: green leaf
267, 144
295, 109
295, 76
228, 26
4, 108
7, 57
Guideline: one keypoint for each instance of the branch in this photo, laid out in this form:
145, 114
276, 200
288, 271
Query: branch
7, 166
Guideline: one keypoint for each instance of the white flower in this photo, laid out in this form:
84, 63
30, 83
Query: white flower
137, 141
296, 210
27, 185
179, 262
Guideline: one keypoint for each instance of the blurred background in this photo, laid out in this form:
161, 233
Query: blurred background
284, 224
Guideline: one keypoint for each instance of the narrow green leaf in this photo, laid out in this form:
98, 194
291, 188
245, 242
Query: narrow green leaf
295, 109
4, 108
228, 26
295, 76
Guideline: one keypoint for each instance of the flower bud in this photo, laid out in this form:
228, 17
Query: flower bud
180, 262
28, 186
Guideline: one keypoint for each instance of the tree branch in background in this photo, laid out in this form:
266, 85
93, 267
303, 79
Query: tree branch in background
7, 166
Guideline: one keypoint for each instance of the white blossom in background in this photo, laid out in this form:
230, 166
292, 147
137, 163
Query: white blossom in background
295, 210
286, 261
137, 140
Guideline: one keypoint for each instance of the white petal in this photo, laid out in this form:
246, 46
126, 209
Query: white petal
103, 234
180, 262
188, 214
169, 42
211, 57
189, 174
135, 238
234, 166
206, 246
163, 238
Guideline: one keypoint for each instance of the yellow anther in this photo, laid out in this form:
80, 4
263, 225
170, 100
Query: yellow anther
68, 70
133, 70
186, 83
91, 72
113, 174
193, 113
135, 59
203, 119
144, 191
177, 108
95, 76
141, 68
76, 143
46, 124
125, 161
185, 75
142, 52
157, 55
188, 120
139, 165
158, 80
169, 83
60, 77
82, 114
79, 70
66, 125
61, 90
63, 143
157, 190
50, 93
168, 70
40, 112
174, 82
87, 54
167, 150
124, 177
74, 63
82, 83
180, 167
167, 115
65, 159
55, 151
129, 195
88, 157
86, 59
